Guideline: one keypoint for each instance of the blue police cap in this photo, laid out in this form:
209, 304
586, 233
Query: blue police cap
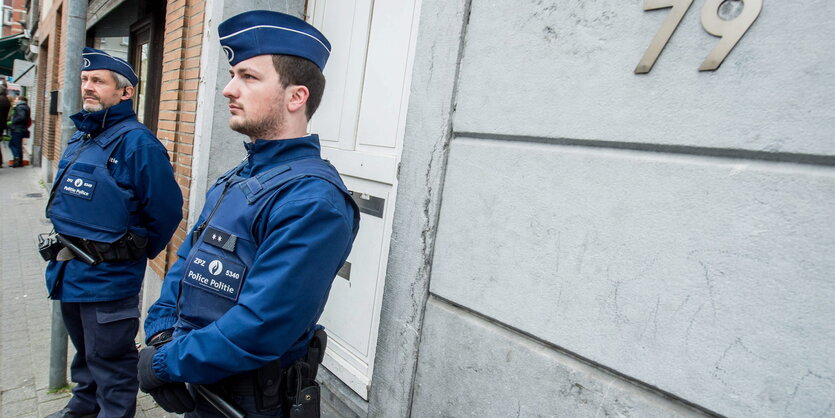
262, 32
94, 59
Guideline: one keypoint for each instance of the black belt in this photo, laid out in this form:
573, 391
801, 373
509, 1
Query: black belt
258, 380
288, 383
130, 247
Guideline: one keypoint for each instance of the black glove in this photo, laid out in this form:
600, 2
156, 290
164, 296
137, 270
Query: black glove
171, 396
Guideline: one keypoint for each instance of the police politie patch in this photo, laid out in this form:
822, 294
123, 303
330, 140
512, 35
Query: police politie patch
78, 187
214, 274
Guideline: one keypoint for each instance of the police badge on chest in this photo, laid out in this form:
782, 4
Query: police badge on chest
78, 187
215, 274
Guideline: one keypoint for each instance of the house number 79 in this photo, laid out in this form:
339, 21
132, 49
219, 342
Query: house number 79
730, 31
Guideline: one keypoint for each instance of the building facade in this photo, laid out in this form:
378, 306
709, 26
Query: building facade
569, 208
14, 17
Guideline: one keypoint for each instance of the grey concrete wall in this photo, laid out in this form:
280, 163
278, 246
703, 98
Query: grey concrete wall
665, 239
517, 375
706, 277
563, 69
420, 179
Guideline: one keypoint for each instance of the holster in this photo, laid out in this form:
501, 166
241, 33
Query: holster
295, 387
303, 394
48, 246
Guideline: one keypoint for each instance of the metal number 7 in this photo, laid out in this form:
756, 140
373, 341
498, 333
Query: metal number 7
730, 31
664, 34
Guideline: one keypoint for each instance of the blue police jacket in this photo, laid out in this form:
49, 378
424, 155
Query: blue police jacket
114, 177
254, 274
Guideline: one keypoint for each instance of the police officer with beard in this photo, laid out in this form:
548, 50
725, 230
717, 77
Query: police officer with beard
114, 204
238, 310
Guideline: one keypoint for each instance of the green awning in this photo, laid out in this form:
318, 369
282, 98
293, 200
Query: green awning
10, 50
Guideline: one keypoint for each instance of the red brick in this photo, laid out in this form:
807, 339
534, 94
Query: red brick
184, 171
186, 148
169, 95
189, 107
189, 84
183, 138
170, 85
167, 115
188, 117
174, 14
191, 73
191, 63
167, 125
172, 55
185, 160
168, 105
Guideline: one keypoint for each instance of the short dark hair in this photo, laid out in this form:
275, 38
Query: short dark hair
298, 71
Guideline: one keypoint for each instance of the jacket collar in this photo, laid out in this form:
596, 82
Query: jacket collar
264, 154
94, 123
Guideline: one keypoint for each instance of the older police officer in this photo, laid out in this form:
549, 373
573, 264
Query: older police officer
240, 305
114, 204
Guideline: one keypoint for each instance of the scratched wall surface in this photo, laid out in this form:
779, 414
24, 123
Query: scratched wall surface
517, 377
709, 278
672, 230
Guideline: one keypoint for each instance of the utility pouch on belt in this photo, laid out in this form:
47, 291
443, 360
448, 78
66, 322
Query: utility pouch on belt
302, 392
294, 387
303, 395
268, 382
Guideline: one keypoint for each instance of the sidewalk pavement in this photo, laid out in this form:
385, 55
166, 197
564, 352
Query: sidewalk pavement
25, 311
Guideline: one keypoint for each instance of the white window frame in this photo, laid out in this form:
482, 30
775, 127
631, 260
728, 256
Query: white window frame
8, 15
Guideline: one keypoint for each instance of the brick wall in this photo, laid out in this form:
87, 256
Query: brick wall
42, 104
18, 14
178, 103
51, 64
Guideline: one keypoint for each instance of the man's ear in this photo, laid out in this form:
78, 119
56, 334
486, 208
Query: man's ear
297, 98
128, 93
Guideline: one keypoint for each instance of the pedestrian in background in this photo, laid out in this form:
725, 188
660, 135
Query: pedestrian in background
19, 129
114, 205
238, 310
5, 107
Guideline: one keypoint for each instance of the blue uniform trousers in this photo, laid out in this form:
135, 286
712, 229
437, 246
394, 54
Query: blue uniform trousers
104, 366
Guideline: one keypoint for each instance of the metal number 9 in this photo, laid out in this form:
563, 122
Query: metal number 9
731, 31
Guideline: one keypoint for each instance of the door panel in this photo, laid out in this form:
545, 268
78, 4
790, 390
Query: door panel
361, 122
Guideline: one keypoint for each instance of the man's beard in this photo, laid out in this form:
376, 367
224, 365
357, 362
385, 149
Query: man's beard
93, 107
262, 128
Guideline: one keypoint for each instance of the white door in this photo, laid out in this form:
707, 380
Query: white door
361, 122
